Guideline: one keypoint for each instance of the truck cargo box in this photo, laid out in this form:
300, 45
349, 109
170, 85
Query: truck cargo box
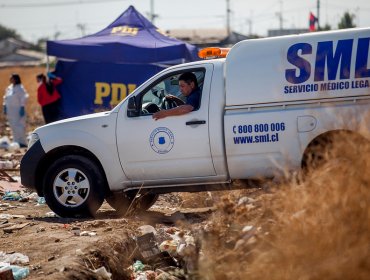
299, 67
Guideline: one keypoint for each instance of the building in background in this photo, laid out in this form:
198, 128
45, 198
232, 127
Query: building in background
208, 37
290, 31
17, 52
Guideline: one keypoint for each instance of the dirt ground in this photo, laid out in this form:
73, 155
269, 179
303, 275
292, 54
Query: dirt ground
312, 227
55, 248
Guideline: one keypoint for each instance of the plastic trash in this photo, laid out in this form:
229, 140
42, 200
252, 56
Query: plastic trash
138, 266
13, 196
33, 196
170, 246
41, 200
13, 147
51, 215
147, 229
88, 233
4, 142
141, 276
14, 258
19, 272
103, 273
6, 164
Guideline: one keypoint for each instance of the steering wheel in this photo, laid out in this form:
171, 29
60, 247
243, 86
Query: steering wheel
169, 102
144, 112
150, 108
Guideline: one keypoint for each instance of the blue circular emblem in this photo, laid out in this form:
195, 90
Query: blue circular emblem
161, 140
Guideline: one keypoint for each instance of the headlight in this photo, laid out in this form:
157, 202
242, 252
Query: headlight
33, 139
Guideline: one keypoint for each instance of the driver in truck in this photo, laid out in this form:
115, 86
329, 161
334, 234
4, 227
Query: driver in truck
189, 88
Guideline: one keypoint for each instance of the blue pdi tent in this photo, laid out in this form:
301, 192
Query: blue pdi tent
101, 69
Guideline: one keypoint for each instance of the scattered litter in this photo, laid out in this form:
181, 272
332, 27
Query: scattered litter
103, 273
4, 142
5, 224
88, 233
12, 196
13, 147
245, 200
138, 266
33, 197
40, 201
51, 215
14, 258
146, 229
15, 227
9, 216
147, 245
6, 164
170, 246
18, 271
247, 228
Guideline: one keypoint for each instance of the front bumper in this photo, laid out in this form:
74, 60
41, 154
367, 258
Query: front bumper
30, 163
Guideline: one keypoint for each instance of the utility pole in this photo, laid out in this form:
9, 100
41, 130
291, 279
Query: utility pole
250, 22
318, 15
228, 11
153, 16
82, 28
280, 15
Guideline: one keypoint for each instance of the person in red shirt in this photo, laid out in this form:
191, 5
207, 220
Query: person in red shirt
48, 97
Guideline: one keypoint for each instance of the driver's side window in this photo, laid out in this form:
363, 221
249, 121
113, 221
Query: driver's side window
154, 99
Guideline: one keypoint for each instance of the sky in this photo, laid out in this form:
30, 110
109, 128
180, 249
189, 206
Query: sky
68, 19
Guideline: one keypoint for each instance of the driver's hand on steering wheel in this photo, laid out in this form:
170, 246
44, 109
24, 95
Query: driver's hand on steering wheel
175, 99
171, 97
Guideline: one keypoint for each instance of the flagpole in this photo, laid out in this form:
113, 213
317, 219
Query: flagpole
318, 15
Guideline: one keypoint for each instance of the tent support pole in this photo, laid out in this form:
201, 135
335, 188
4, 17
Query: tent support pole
47, 63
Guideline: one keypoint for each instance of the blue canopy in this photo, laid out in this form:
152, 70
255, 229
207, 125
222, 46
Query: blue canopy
100, 70
131, 38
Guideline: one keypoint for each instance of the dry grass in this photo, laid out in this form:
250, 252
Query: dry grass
315, 229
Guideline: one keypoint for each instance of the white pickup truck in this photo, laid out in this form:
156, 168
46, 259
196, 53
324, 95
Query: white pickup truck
262, 108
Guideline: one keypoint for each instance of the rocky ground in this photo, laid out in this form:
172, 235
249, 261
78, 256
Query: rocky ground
50, 247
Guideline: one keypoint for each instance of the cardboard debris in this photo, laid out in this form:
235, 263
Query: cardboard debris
4, 176
15, 227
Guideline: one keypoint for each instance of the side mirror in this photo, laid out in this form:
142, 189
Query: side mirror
132, 109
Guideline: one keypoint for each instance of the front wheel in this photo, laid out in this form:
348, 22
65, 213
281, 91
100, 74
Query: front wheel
74, 186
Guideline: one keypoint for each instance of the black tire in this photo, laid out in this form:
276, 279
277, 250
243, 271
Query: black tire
85, 187
333, 148
128, 203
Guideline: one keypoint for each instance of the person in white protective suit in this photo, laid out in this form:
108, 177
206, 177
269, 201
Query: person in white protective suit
15, 99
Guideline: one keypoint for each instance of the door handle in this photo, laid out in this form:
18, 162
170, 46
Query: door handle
195, 122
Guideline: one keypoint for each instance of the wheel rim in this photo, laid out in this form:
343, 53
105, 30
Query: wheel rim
71, 187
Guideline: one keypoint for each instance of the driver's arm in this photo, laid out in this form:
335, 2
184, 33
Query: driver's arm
180, 110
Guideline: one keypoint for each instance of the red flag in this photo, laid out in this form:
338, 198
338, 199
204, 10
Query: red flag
312, 22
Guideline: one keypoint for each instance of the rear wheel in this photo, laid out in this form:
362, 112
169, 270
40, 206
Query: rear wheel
333, 148
126, 203
74, 186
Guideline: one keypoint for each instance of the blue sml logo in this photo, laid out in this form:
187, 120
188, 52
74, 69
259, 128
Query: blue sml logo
328, 60
161, 140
